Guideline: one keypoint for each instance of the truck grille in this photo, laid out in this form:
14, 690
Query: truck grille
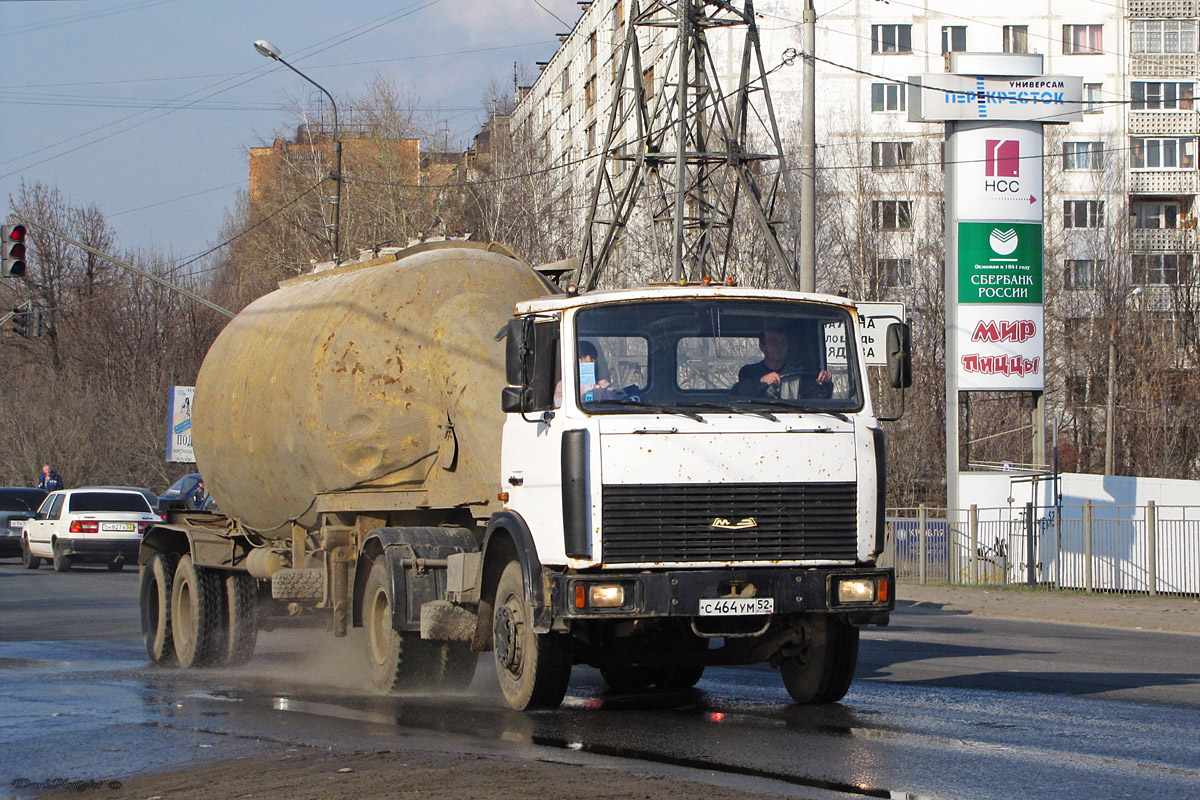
680, 522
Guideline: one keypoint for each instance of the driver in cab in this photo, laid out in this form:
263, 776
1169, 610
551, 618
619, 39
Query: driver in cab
766, 378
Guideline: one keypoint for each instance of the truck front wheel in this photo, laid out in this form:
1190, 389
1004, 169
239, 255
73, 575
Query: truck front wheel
823, 670
534, 668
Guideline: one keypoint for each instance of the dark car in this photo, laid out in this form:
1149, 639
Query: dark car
17, 504
179, 493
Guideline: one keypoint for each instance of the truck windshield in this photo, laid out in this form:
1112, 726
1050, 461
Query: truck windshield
755, 356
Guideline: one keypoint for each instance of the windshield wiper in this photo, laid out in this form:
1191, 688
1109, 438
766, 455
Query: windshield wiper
737, 408
651, 407
784, 404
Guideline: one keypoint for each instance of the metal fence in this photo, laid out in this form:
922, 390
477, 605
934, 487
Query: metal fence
1150, 549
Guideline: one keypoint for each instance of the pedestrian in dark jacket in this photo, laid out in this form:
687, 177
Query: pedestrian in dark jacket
198, 495
49, 479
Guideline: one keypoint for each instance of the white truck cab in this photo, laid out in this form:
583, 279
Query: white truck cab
698, 463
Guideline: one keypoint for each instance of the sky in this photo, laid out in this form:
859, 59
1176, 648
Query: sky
146, 108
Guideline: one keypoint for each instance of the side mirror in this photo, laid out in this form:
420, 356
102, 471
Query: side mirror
516, 350
899, 355
515, 399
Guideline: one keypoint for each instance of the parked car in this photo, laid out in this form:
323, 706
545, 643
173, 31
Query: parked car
88, 525
177, 496
17, 504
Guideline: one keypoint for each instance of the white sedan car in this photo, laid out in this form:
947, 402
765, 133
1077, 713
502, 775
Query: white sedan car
97, 524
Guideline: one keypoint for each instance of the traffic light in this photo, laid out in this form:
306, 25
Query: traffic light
20, 319
41, 321
14, 251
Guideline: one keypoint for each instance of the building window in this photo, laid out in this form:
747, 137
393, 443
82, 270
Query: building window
591, 44
1161, 269
589, 92
648, 83
1016, 38
619, 15
1162, 36
891, 39
892, 215
954, 38
1092, 104
1083, 213
1080, 273
1079, 39
1156, 214
1087, 156
1161, 96
894, 271
1172, 153
589, 138
888, 97
564, 83
891, 155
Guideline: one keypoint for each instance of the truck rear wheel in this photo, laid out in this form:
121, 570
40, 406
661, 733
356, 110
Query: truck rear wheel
241, 599
822, 673
198, 615
154, 597
534, 668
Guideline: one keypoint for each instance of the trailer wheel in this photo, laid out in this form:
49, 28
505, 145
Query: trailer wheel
822, 673
534, 668
154, 597
383, 641
198, 615
241, 599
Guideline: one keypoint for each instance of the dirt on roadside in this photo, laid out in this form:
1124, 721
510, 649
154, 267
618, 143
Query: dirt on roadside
1127, 611
407, 774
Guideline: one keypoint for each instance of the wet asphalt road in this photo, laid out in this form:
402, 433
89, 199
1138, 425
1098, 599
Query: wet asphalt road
944, 705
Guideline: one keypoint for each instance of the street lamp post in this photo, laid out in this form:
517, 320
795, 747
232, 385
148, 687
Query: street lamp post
1110, 404
269, 50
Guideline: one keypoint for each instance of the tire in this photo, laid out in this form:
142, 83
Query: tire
28, 559
116, 565
825, 669
629, 678
458, 666
241, 600
198, 615
155, 582
679, 677
534, 668
62, 563
383, 641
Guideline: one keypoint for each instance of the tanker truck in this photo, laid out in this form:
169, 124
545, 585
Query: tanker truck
444, 449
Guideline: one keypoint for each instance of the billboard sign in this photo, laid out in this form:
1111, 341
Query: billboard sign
998, 173
1000, 348
179, 425
999, 262
1026, 98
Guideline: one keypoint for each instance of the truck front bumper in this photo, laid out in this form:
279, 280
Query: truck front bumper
678, 593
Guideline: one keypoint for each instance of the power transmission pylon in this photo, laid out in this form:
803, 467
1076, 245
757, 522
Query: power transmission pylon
702, 153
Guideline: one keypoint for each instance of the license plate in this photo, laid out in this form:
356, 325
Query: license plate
118, 526
736, 606
16, 524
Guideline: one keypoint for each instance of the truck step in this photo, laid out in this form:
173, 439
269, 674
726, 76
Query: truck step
298, 584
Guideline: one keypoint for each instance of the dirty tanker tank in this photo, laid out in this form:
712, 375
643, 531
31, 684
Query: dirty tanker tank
380, 378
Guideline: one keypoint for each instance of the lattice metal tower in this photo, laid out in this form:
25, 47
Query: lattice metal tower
697, 153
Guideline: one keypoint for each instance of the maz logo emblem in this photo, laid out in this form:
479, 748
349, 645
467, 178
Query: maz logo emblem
745, 524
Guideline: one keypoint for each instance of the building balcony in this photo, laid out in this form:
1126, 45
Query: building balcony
1181, 181
1162, 65
1163, 123
1170, 240
1171, 9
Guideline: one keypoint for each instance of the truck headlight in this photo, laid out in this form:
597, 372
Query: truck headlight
856, 590
606, 596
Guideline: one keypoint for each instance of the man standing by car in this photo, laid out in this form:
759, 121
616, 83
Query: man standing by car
49, 479
197, 497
